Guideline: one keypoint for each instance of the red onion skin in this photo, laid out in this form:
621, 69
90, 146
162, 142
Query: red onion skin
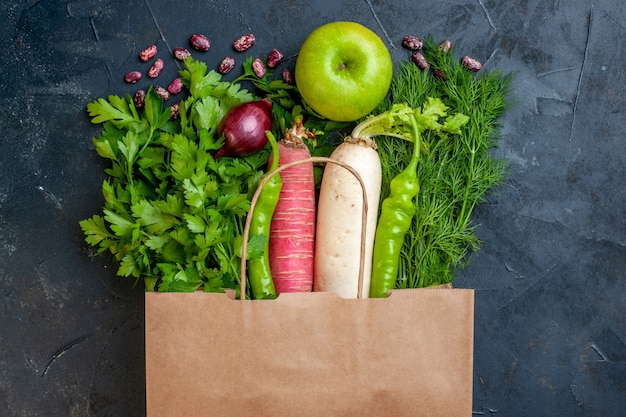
244, 127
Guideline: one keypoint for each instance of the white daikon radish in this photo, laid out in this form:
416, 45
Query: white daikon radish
339, 218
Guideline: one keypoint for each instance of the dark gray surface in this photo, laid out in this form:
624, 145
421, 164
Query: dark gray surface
550, 278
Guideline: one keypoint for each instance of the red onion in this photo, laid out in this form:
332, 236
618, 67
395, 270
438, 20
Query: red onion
244, 127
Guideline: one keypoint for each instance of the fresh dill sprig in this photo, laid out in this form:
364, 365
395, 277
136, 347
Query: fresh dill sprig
455, 173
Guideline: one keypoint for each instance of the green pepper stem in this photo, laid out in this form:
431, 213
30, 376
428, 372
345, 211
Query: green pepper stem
416, 146
275, 151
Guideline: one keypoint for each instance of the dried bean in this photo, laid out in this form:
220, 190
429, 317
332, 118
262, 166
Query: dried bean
174, 111
156, 68
274, 58
176, 86
258, 67
148, 53
139, 99
227, 64
471, 63
181, 53
132, 77
287, 77
445, 46
244, 43
439, 74
162, 92
412, 42
419, 60
200, 42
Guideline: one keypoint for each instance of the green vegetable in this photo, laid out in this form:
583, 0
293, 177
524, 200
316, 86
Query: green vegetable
260, 276
172, 215
398, 208
455, 172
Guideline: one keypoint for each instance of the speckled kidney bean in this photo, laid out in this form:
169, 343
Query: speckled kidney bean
439, 74
274, 58
156, 68
200, 42
139, 99
471, 63
227, 64
287, 77
132, 77
412, 42
258, 67
174, 111
176, 86
419, 60
244, 43
445, 46
181, 53
148, 53
162, 92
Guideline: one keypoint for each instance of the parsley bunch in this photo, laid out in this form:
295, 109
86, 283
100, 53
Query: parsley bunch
173, 216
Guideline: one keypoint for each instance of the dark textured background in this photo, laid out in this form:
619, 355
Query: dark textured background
550, 277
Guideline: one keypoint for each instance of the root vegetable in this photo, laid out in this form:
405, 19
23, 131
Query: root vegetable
244, 127
338, 229
292, 232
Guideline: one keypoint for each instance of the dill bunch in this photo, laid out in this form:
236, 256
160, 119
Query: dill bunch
456, 172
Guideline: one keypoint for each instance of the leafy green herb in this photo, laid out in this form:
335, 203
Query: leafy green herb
456, 169
173, 215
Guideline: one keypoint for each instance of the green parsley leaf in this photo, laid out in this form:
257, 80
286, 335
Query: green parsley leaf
96, 232
120, 111
195, 223
172, 214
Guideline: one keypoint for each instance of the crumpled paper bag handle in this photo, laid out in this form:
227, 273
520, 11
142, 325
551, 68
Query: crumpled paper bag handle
255, 197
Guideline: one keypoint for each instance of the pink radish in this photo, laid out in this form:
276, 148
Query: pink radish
292, 231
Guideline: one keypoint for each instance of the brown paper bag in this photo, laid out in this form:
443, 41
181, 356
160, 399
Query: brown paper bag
310, 354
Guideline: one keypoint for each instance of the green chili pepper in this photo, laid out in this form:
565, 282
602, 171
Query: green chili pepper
396, 216
261, 283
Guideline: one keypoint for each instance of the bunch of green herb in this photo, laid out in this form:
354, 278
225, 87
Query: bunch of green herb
173, 215
455, 172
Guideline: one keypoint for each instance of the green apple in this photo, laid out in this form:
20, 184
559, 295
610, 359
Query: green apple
343, 70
